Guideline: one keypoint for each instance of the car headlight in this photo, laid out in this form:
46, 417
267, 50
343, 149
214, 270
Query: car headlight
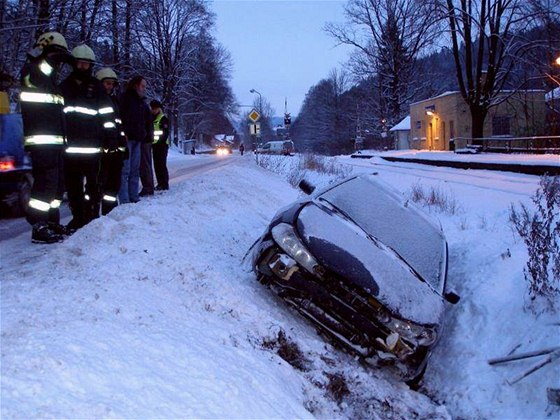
416, 334
287, 239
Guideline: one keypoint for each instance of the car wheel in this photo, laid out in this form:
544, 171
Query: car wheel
20, 205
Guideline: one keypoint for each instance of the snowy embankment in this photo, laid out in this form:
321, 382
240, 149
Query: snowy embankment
486, 268
150, 313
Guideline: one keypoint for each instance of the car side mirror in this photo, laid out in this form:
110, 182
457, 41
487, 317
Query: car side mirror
306, 187
452, 297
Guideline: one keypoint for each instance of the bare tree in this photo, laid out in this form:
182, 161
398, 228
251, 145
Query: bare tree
487, 42
388, 35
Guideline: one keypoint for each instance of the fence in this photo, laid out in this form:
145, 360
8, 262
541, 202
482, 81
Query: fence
536, 144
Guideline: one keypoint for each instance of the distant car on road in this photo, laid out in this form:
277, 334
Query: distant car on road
365, 267
278, 147
15, 167
223, 150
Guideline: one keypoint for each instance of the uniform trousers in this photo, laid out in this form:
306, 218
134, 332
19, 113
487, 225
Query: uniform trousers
81, 176
48, 183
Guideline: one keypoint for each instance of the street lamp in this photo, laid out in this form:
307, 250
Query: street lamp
260, 99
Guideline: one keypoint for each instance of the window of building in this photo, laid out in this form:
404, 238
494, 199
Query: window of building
501, 126
451, 129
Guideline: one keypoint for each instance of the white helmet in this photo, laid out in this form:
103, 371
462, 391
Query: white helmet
51, 39
83, 52
106, 73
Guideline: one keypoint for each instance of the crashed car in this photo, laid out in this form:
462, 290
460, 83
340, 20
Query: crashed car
364, 266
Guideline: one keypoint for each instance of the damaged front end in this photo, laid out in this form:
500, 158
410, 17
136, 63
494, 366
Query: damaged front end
349, 314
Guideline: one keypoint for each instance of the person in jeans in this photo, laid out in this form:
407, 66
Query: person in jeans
137, 125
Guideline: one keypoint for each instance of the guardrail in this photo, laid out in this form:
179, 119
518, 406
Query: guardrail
535, 144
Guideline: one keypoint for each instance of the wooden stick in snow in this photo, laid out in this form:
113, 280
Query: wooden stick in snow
550, 358
520, 356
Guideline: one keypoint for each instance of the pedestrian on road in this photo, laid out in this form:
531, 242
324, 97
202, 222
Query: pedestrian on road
241, 149
160, 146
43, 128
114, 147
89, 115
137, 124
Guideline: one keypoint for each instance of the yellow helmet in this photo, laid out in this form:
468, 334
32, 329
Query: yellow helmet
51, 39
106, 73
83, 52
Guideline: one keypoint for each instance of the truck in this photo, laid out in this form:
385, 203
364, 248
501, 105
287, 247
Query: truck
15, 165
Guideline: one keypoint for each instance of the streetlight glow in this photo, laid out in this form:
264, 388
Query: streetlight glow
260, 99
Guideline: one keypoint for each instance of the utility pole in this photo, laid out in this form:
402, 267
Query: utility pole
287, 120
255, 118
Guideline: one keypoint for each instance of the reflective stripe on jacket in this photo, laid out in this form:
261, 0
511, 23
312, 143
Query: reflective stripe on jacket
158, 129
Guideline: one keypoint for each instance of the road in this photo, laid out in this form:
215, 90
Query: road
180, 168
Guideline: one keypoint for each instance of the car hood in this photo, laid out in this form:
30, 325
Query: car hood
352, 252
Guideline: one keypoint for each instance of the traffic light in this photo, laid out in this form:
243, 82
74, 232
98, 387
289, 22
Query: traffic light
287, 119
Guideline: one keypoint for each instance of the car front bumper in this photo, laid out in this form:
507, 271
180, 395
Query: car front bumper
347, 315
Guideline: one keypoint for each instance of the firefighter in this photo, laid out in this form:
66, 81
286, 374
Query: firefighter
114, 147
43, 127
89, 115
160, 146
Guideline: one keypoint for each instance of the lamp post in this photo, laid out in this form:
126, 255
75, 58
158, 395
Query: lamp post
260, 99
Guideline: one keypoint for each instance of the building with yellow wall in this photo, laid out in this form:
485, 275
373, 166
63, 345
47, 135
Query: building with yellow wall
444, 122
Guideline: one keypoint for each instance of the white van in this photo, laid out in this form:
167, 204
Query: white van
280, 147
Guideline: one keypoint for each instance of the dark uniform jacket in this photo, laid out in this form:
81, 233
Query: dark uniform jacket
114, 139
136, 117
89, 111
41, 105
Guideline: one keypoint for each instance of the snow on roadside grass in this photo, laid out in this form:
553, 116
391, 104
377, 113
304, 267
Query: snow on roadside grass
148, 312
486, 268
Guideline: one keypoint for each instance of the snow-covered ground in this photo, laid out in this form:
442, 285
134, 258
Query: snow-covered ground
150, 312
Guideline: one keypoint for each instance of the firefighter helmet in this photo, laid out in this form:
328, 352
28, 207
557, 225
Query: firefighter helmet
53, 39
106, 73
84, 53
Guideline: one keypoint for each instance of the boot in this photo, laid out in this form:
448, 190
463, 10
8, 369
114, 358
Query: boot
59, 229
41, 234
74, 225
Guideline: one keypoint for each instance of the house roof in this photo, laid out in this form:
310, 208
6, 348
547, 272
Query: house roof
403, 125
451, 92
456, 92
553, 94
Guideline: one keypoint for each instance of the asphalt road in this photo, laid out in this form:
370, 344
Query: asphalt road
179, 170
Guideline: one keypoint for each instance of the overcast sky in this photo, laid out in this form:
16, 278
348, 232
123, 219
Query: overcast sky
279, 47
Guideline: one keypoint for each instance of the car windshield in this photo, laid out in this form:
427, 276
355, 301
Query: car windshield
381, 214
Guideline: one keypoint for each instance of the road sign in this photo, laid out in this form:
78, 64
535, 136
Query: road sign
254, 115
255, 129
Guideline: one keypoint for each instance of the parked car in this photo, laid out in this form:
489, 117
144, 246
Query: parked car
15, 167
278, 147
364, 266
